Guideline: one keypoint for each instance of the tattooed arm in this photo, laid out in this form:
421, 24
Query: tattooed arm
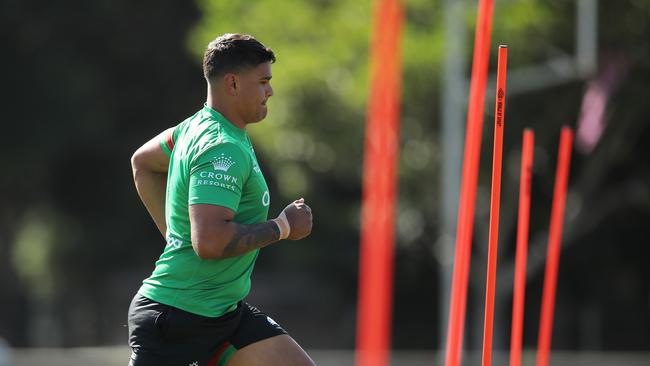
215, 235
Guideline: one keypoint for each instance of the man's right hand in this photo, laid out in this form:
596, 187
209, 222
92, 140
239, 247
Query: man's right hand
298, 216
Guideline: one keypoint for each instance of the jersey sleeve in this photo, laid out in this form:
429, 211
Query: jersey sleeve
218, 175
168, 140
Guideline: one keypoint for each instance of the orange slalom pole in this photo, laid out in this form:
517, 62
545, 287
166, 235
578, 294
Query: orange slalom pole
469, 180
495, 204
554, 240
525, 180
375, 290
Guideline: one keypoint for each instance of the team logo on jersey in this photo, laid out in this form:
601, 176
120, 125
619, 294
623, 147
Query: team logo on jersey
266, 198
222, 163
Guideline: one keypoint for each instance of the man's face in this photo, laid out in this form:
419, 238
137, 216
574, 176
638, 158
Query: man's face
254, 90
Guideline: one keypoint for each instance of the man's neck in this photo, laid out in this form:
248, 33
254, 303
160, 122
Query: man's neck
225, 109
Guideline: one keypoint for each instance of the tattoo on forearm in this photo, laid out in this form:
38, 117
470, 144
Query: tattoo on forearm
249, 237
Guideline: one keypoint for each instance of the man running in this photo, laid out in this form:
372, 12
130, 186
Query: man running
202, 185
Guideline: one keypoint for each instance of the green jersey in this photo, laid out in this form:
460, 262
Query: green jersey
211, 162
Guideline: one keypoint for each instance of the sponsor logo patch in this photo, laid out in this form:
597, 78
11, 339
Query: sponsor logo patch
222, 163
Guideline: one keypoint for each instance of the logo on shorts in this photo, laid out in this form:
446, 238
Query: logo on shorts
222, 163
271, 321
195, 363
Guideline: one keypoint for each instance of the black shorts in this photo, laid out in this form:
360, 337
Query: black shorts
164, 335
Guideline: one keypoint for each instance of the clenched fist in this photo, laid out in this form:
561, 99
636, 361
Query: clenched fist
295, 221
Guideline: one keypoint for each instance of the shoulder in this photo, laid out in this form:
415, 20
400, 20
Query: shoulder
227, 147
203, 135
224, 155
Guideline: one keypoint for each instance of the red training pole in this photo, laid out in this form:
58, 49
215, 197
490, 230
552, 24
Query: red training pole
495, 204
379, 186
554, 240
469, 180
525, 180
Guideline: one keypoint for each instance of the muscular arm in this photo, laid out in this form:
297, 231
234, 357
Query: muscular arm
150, 165
215, 235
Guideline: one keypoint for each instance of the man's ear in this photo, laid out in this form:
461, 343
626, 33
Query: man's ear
230, 81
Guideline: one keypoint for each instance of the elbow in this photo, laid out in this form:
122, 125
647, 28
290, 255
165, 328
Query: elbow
210, 234
204, 253
148, 161
136, 161
207, 249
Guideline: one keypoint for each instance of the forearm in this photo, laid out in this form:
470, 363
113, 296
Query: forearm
232, 239
250, 237
151, 188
